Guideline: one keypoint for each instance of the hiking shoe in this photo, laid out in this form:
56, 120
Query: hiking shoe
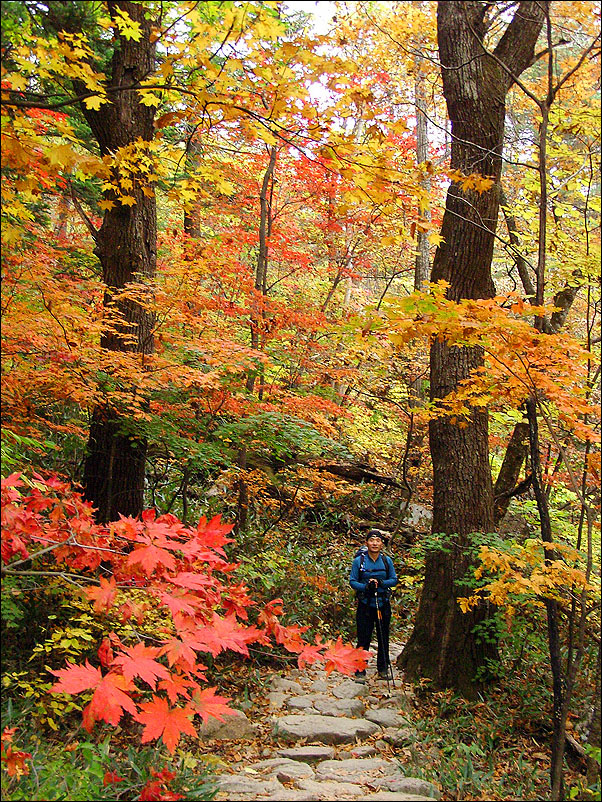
359, 676
383, 675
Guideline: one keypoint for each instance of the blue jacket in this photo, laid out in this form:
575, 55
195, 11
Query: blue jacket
373, 569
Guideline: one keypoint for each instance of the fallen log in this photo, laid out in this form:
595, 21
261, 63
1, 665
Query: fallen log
359, 473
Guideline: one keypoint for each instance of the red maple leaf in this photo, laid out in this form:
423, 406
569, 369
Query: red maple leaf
344, 658
179, 653
192, 580
109, 700
105, 653
235, 599
212, 533
149, 557
103, 596
75, 679
290, 637
209, 705
180, 602
162, 721
310, 654
221, 634
139, 661
177, 685
112, 777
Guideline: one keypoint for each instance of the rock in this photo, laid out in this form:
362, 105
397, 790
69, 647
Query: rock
300, 702
283, 768
277, 699
325, 729
400, 737
411, 785
232, 728
308, 754
403, 700
386, 717
395, 796
340, 707
349, 689
235, 786
364, 770
288, 685
331, 790
290, 795
319, 686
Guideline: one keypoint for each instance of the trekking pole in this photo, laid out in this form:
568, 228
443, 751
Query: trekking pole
379, 628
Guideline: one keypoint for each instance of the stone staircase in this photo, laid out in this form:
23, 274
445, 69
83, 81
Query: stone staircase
329, 739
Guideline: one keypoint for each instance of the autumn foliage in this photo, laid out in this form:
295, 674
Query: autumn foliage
173, 587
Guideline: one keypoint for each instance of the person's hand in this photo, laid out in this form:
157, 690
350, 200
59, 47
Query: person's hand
372, 584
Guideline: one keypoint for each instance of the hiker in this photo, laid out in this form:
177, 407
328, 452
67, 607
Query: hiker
372, 577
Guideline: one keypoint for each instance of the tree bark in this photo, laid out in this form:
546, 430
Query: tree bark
444, 644
261, 270
126, 245
516, 452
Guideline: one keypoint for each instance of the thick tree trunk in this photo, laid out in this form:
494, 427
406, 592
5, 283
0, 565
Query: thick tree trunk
444, 644
126, 246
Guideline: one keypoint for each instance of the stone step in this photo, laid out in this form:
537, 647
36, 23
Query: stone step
324, 729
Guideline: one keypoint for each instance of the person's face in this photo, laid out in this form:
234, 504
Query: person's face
374, 544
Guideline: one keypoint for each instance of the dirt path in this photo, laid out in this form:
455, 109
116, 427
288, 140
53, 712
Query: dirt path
326, 737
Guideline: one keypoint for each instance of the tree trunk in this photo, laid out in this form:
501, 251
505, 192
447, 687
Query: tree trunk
126, 245
422, 264
444, 644
261, 271
516, 453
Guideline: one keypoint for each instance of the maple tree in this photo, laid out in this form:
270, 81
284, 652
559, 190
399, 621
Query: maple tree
49, 528
275, 203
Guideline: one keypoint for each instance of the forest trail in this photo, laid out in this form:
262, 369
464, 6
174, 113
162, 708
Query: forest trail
327, 737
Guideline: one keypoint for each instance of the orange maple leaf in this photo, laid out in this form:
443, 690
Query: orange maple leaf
162, 721
290, 637
14, 762
177, 685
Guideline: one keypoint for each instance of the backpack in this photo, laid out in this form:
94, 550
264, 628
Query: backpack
361, 553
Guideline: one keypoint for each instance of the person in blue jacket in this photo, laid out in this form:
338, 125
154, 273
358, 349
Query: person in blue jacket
372, 577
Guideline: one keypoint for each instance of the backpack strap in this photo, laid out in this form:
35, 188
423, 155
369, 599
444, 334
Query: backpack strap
384, 558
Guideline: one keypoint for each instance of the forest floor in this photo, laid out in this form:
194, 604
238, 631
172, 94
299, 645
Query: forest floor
307, 739
319, 736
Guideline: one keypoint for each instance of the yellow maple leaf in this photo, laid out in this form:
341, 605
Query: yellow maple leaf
62, 154
95, 102
127, 26
127, 200
149, 99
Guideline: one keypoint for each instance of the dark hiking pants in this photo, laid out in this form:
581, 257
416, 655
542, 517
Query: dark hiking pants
366, 621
